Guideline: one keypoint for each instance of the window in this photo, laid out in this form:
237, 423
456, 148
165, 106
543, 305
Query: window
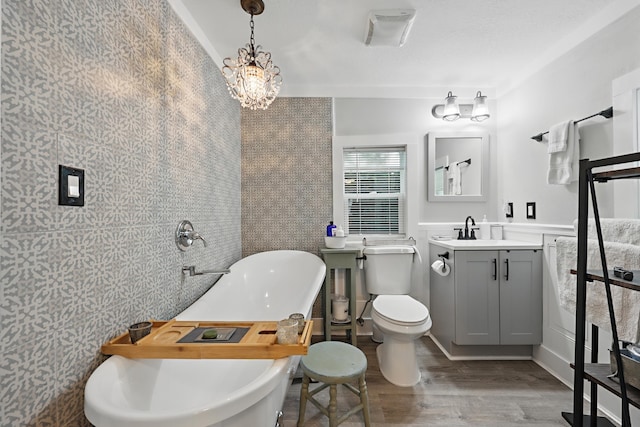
374, 190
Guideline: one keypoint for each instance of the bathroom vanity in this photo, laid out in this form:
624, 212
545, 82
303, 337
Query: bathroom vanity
490, 303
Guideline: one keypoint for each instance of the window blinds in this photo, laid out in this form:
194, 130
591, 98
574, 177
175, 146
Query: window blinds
374, 190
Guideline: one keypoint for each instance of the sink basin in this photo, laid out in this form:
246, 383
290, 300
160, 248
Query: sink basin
485, 244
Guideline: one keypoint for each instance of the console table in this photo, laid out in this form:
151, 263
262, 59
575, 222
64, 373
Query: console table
334, 259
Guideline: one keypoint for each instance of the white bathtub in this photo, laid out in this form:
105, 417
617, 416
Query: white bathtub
222, 393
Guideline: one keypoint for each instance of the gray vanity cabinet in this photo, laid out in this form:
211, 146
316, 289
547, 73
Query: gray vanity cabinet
521, 297
498, 297
477, 298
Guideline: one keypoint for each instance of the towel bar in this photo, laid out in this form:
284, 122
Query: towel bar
607, 114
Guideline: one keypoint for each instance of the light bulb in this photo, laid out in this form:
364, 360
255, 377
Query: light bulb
253, 81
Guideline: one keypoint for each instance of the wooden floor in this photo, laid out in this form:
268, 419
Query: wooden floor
450, 393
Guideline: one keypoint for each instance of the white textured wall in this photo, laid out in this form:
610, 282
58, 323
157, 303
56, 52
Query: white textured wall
576, 85
413, 116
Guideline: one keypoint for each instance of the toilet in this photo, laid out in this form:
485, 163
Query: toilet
400, 318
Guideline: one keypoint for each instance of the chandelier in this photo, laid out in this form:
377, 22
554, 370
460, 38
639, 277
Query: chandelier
252, 78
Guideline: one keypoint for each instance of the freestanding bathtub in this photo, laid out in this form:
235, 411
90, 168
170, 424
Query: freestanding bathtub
215, 392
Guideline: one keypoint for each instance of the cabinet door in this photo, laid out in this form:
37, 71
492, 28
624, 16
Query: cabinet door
520, 297
477, 297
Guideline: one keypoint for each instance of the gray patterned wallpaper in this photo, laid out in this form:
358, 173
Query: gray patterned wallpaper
122, 90
286, 175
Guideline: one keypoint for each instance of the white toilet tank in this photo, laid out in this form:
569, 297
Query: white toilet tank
387, 269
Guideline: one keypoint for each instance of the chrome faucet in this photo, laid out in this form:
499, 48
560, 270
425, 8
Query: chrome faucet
191, 269
185, 235
194, 235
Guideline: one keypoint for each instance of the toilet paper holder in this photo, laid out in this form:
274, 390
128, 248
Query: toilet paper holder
440, 265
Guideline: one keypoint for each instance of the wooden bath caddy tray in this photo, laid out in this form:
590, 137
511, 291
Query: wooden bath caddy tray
258, 342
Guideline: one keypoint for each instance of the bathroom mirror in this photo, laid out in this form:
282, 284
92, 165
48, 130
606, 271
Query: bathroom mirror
457, 167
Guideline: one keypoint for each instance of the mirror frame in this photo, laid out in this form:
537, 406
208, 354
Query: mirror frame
432, 138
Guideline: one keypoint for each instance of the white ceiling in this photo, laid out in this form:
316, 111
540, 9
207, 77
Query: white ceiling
489, 45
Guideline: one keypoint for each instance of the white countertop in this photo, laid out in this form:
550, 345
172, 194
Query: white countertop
476, 245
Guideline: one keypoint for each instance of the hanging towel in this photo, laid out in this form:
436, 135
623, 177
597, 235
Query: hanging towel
417, 252
558, 136
563, 165
455, 178
626, 302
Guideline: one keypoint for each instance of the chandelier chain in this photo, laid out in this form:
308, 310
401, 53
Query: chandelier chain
252, 78
252, 40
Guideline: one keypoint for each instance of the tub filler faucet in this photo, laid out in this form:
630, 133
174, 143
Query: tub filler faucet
191, 269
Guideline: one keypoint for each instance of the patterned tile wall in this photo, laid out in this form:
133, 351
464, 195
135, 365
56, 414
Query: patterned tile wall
121, 89
286, 176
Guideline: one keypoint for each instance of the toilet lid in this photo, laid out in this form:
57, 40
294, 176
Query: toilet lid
390, 249
400, 309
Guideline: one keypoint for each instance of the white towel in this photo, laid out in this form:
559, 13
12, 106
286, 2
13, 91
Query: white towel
620, 230
563, 165
625, 301
454, 176
417, 252
558, 135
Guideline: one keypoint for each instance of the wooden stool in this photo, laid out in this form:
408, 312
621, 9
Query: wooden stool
333, 363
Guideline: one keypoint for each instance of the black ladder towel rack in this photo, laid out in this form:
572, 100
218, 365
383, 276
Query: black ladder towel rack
598, 374
607, 114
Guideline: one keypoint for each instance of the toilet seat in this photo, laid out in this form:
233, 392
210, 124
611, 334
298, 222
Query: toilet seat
400, 310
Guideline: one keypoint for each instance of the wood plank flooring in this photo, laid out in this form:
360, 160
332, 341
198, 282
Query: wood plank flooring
450, 393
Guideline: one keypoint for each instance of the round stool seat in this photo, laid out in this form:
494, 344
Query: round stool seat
334, 362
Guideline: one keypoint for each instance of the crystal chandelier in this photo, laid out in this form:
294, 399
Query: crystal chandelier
252, 78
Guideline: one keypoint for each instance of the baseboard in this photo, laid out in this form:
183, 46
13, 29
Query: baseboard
560, 369
472, 357
554, 364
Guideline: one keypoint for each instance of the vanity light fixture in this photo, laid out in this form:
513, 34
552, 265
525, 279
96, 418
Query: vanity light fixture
451, 110
252, 78
480, 110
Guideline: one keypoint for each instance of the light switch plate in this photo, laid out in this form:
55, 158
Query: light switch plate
71, 186
531, 210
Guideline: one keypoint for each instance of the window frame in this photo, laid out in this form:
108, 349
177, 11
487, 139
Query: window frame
400, 196
410, 144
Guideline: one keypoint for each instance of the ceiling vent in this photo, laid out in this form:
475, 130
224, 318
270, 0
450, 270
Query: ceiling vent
389, 27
